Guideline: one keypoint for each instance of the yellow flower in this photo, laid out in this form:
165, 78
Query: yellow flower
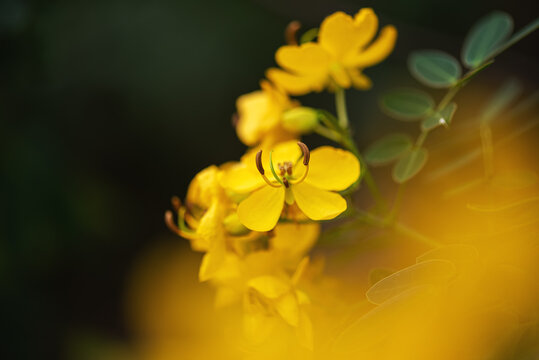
260, 114
269, 296
344, 48
207, 220
267, 255
308, 179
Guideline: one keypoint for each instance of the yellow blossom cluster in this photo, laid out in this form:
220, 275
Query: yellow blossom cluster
256, 219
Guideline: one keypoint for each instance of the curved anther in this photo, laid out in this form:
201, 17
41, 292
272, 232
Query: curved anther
291, 31
176, 203
306, 153
258, 161
260, 167
306, 159
169, 221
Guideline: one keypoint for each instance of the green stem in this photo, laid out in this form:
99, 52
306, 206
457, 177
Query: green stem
392, 216
340, 103
349, 144
399, 228
327, 133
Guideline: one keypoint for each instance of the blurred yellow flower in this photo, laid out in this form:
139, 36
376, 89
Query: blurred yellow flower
260, 114
207, 220
309, 183
344, 48
272, 295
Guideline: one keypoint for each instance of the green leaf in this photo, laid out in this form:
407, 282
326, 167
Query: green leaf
423, 273
434, 68
408, 166
442, 118
387, 149
407, 104
519, 35
485, 37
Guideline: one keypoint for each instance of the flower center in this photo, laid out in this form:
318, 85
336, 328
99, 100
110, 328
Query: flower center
284, 178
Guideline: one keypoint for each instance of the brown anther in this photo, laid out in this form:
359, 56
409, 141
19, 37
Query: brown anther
258, 161
306, 153
291, 31
176, 203
235, 119
169, 221
285, 182
288, 167
281, 169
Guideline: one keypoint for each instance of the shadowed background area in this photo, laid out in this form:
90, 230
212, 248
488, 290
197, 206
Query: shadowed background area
108, 108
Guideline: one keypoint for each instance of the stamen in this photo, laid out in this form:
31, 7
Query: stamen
176, 203
306, 153
169, 221
288, 167
260, 167
258, 162
306, 158
285, 182
291, 31
235, 119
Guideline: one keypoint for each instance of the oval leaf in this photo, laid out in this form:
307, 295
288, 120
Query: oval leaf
407, 104
387, 149
442, 118
423, 273
434, 68
484, 37
408, 166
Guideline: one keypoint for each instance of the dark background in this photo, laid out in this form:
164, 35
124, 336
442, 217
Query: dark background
107, 108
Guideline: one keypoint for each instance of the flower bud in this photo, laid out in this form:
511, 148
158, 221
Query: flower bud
300, 119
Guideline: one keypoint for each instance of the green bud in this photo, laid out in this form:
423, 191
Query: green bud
300, 119
233, 225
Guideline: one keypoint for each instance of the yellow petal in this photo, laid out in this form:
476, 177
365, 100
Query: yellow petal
294, 240
269, 286
304, 331
210, 228
300, 270
211, 263
252, 109
316, 203
366, 23
359, 80
339, 74
257, 327
375, 52
303, 299
287, 306
204, 187
343, 36
242, 178
262, 209
337, 34
332, 169
286, 151
308, 58
296, 84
